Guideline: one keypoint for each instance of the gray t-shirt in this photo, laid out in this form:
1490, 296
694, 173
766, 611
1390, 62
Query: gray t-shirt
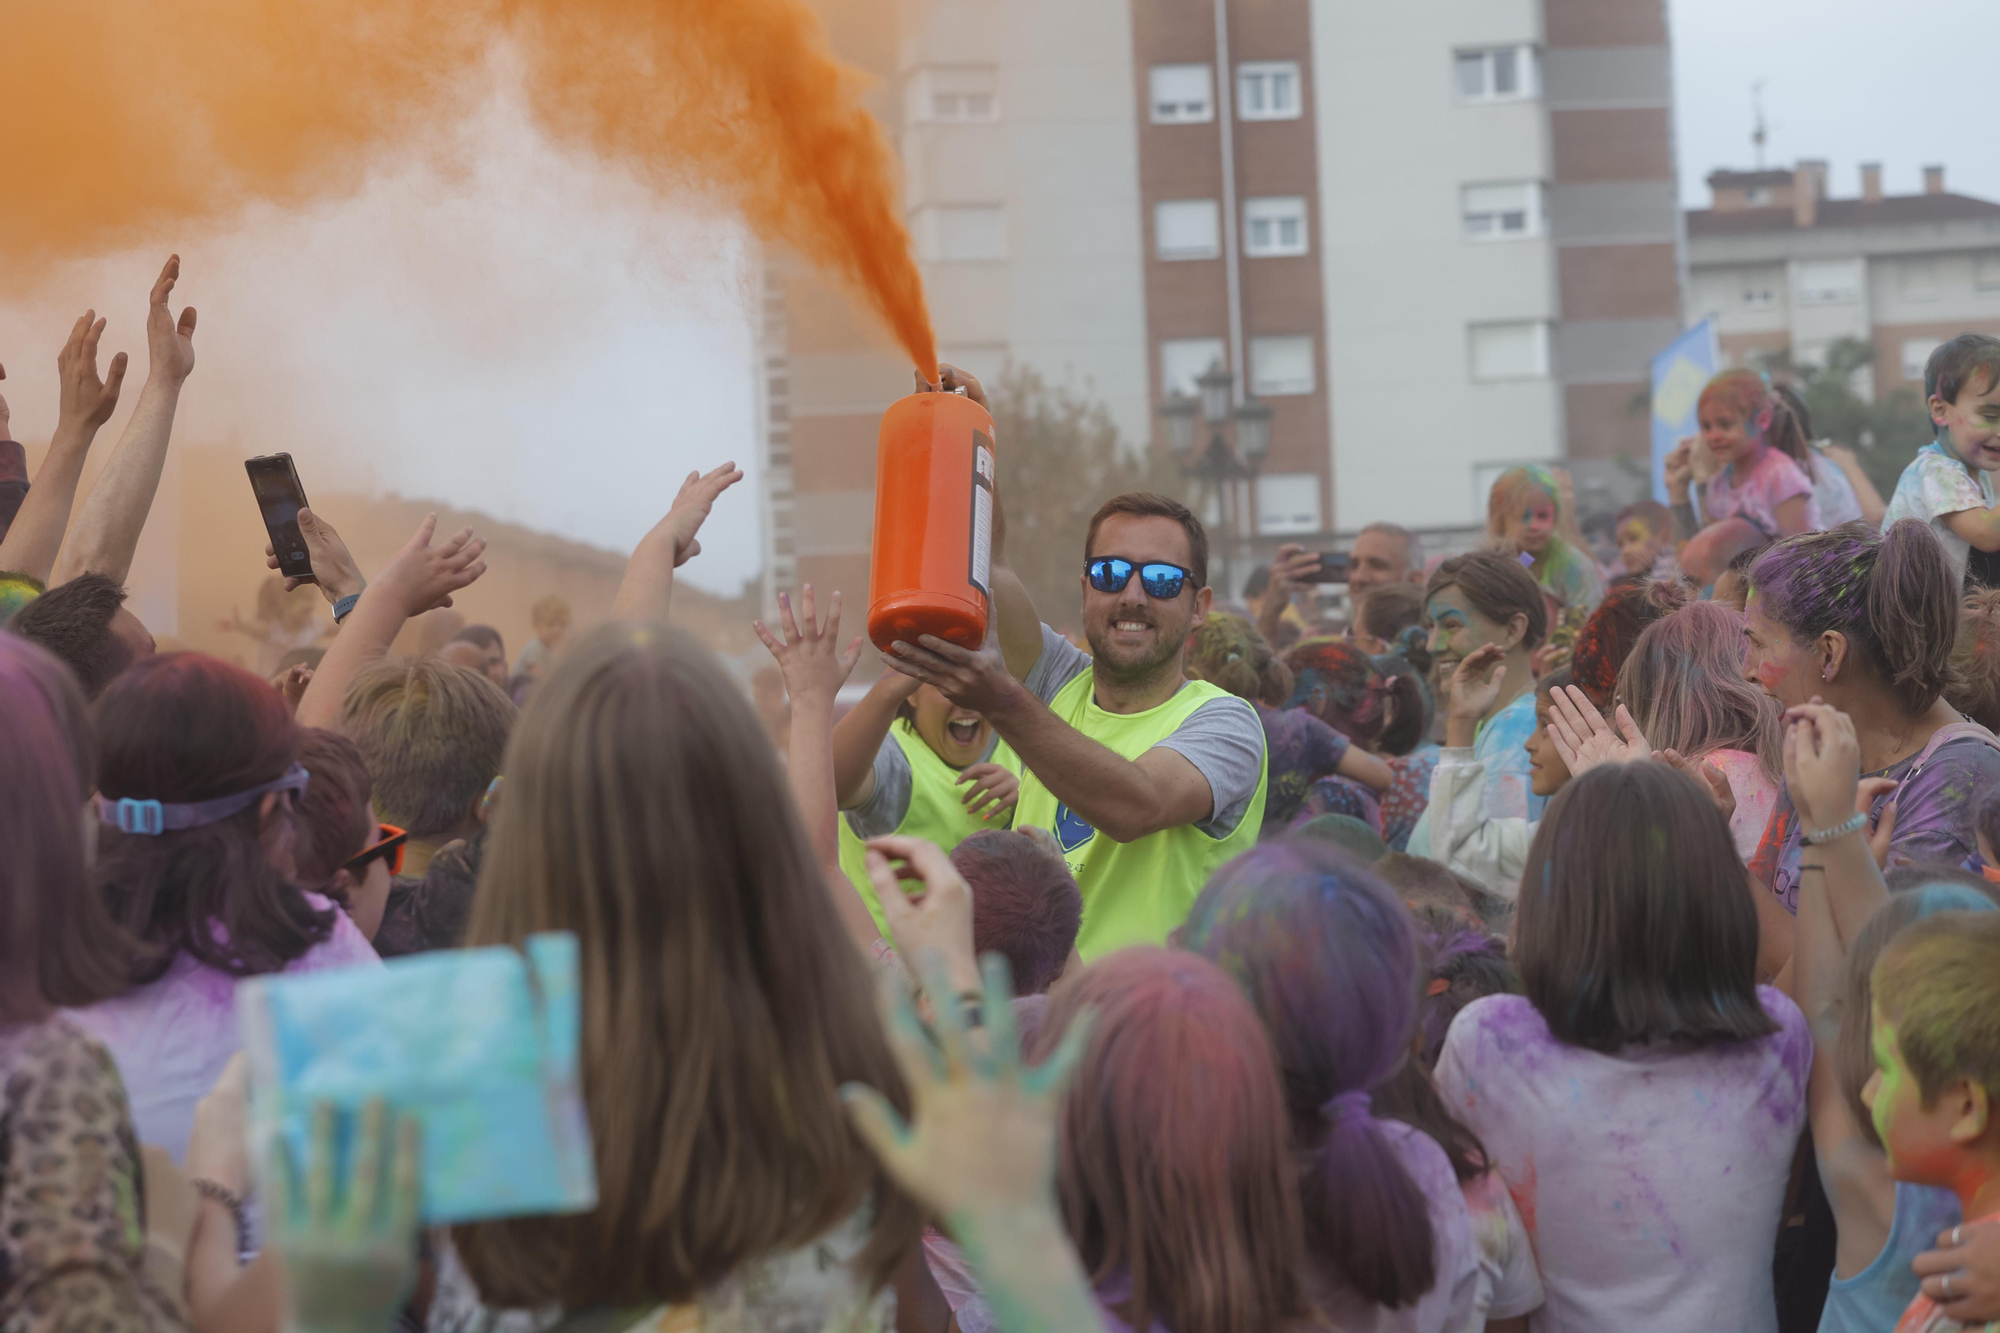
1223, 738
888, 805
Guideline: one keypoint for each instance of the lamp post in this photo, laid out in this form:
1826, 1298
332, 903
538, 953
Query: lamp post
1225, 473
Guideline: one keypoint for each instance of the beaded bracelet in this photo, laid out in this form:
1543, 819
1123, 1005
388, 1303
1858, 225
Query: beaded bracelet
231, 1200
1852, 824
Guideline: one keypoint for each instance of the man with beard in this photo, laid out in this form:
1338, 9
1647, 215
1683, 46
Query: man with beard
1149, 780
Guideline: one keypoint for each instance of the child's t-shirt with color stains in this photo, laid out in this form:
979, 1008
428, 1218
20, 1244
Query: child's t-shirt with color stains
1650, 1181
1924, 1316
1755, 493
1932, 488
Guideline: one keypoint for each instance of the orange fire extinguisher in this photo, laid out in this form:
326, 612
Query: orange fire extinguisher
931, 572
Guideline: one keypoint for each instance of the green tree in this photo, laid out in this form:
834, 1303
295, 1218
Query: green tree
1885, 434
1059, 457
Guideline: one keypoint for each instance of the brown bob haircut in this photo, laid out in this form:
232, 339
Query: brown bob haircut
723, 1002
1635, 920
1498, 588
1144, 504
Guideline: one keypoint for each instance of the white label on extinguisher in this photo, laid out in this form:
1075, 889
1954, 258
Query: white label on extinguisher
981, 572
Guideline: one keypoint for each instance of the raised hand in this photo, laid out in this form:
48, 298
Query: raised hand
1475, 683
84, 399
422, 577
993, 791
1822, 764
349, 1247
982, 1135
811, 659
169, 343
971, 679
935, 923
1679, 469
1585, 740
691, 507
334, 572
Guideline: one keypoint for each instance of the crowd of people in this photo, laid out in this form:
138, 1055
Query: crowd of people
1531, 937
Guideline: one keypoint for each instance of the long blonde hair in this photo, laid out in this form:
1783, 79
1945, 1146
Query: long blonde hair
1684, 686
723, 1005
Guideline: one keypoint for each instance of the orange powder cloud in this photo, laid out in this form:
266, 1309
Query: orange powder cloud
137, 120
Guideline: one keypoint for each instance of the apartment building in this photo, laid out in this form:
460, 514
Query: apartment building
1434, 239
1782, 267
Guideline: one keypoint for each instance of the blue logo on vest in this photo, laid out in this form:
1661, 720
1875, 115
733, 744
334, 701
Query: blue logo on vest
1071, 832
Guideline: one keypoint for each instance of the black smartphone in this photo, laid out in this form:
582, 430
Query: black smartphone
1333, 567
275, 483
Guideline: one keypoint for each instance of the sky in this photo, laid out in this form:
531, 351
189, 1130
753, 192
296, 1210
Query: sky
1900, 82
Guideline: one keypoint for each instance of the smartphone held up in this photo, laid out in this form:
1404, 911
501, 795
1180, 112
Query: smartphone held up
280, 497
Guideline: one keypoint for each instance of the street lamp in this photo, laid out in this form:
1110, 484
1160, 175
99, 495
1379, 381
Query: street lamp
1221, 470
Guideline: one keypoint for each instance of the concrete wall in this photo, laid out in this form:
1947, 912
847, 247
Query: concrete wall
1413, 435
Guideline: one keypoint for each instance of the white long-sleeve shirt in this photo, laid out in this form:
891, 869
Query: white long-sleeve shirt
1464, 836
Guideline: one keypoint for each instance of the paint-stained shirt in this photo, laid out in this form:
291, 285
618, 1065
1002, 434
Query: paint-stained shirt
1755, 493
1509, 791
1302, 750
1934, 815
1932, 488
1924, 1316
1650, 1181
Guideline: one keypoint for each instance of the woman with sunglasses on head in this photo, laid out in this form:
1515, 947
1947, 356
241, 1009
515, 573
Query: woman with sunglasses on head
198, 780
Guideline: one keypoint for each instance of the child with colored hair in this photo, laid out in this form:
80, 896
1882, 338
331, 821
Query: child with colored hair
1684, 686
1643, 1098
1328, 959
1228, 651
1336, 683
1975, 660
1526, 515
1608, 637
1176, 1178
1645, 533
1746, 429
1936, 1037
1949, 483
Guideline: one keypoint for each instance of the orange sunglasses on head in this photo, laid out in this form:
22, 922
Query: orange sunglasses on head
388, 845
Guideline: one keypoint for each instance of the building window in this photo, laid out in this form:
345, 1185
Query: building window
959, 233
1503, 211
1916, 355
1759, 296
1182, 360
1268, 90
1827, 281
1281, 366
1497, 73
1182, 94
955, 95
1517, 350
1287, 502
1757, 196
1274, 226
1986, 272
1187, 229
1919, 280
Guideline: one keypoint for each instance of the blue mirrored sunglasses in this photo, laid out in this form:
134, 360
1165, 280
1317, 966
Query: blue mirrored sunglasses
1109, 573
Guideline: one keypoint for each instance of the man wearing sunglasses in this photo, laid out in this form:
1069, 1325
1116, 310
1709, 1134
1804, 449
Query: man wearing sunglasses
1149, 780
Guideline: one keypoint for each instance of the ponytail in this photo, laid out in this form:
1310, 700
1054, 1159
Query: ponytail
1892, 595
1228, 651
1912, 608
1364, 1212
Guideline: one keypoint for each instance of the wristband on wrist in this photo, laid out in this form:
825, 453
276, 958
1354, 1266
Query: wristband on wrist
1853, 824
344, 605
